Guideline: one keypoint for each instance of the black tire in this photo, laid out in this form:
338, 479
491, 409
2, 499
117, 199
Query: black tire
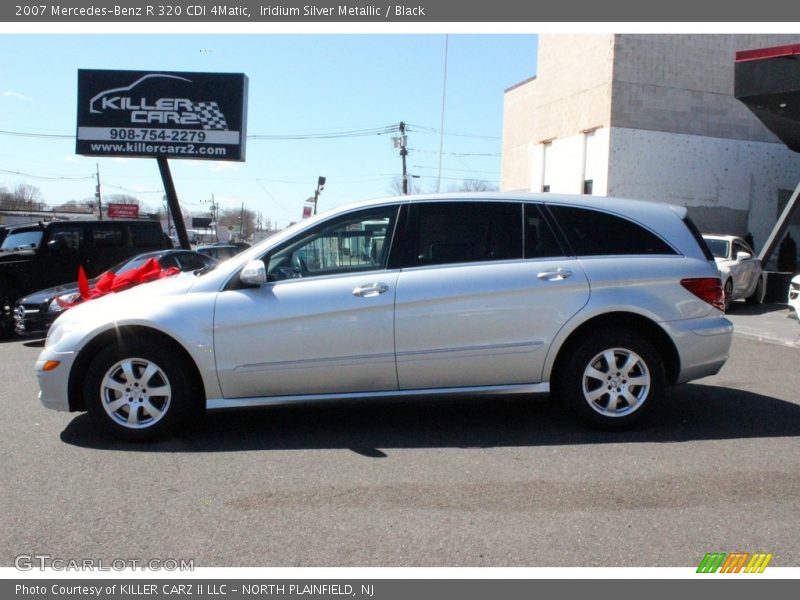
728, 294
7, 299
757, 297
117, 383
606, 397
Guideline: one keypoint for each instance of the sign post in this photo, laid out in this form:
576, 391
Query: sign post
162, 115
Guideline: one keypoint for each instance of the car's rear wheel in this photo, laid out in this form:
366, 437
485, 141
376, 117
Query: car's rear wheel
757, 297
612, 379
138, 390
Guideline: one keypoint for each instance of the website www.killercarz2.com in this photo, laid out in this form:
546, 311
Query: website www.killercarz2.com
149, 148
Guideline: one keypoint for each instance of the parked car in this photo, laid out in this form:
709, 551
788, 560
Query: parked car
40, 255
605, 303
219, 251
794, 294
739, 269
34, 313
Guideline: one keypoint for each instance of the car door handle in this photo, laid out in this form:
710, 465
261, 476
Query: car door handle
556, 275
370, 290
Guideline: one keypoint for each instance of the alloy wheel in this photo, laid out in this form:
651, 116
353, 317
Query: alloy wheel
135, 393
616, 382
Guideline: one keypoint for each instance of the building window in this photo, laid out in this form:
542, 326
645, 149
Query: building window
591, 160
547, 166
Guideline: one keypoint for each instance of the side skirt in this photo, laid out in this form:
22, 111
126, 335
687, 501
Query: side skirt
214, 404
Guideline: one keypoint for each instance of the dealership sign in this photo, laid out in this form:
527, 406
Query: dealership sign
123, 211
162, 114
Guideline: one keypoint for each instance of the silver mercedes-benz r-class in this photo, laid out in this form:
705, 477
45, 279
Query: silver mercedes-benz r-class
603, 302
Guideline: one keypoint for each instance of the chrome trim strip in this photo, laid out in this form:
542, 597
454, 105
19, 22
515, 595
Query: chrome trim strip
337, 361
492, 390
509, 348
313, 363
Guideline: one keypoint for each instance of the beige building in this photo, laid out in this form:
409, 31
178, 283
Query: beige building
649, 116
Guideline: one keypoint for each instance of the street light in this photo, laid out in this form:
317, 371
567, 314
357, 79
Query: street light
320, 187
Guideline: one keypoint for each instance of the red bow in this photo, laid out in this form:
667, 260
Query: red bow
108, 283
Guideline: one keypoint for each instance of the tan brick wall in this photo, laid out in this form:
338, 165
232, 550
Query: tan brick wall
571, 92
683, 83
678, 83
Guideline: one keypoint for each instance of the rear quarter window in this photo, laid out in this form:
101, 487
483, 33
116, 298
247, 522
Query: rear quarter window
698, 237
597, 233
147, 235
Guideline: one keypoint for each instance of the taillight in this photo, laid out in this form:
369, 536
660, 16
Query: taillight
708, 289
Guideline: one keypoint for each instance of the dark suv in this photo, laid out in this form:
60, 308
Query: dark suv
42, 255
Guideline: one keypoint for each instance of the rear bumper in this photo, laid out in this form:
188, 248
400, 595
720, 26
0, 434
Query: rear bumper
703, 345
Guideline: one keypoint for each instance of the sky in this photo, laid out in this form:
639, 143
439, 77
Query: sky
299, 84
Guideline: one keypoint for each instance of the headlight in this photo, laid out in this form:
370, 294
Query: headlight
54, 335
61, 303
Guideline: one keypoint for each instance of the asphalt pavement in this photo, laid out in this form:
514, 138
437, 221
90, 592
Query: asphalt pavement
771, 323
468, 483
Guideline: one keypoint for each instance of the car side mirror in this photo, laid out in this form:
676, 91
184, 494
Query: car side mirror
254, 273
742, 256
56, 245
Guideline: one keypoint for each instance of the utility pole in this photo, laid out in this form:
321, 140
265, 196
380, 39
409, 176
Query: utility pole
320, 186
241, 225
400, 142
169, 219
97, 195
214, 215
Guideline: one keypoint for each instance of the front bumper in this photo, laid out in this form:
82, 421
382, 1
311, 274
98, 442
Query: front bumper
794, 296
54, 384
32, 319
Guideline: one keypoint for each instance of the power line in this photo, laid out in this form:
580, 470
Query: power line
488, 154
36, 135
46, 177
438, 131
347, 133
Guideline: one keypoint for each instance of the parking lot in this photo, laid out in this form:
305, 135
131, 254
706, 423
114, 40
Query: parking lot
467, 483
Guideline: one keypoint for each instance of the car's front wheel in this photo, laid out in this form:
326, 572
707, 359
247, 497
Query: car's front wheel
728, 294
7, 297
138, 390
612, 379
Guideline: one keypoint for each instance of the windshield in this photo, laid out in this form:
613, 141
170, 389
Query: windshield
719, 248
22, 240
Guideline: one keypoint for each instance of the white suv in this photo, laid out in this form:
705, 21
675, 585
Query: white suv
603, 301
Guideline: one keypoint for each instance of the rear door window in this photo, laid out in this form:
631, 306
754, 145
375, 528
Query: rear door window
458, 232
107, 236
68, 237
597, 233
540, 241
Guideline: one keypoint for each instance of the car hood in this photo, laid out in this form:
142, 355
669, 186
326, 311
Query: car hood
131, 303
49, 293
